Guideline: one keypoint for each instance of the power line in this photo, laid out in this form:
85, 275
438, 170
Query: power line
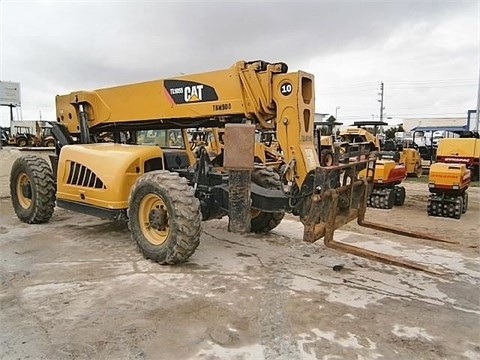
443, 82
429, 81
440, 115
430, 87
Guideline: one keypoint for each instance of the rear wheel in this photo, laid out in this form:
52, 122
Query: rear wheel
326, 158
32, 189
164, 217
22, 142
263, 222
50, 143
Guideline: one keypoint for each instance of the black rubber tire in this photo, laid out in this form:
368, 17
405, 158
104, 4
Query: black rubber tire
390, 199
458, 208
465, 203
41, 189
50, 143
184, 216
430, 208
326, 157
22, 142
400, 195
263, 222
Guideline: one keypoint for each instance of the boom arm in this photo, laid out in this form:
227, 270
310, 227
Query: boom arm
263, 93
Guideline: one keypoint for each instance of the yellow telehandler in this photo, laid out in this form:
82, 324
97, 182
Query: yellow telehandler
150, 177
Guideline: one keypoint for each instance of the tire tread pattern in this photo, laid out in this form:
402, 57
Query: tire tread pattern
186, 227
43, 189
268, 178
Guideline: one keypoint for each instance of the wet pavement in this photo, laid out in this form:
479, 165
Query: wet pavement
77, 288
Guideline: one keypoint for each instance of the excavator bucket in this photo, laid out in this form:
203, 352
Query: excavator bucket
340, 197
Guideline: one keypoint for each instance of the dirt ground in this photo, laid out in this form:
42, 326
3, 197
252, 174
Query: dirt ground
77, 288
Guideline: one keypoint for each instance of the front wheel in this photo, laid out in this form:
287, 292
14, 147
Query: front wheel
32, 189
50, 143
164, 217
22, 142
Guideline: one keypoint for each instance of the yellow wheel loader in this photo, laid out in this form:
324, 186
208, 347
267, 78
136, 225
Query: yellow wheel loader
150, 177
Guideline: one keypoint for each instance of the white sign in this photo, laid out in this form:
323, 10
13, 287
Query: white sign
9, 93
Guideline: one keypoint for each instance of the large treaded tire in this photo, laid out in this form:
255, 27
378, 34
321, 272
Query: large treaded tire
263, 222
34, 201
326, 157
184, 216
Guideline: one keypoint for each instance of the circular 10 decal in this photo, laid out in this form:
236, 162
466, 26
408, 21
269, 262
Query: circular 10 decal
286, 88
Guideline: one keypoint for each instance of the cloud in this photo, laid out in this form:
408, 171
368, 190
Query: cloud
55, 47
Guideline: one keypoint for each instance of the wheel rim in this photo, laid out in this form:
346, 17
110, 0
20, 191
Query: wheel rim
254, 213
24, 191
329, 160
154, 219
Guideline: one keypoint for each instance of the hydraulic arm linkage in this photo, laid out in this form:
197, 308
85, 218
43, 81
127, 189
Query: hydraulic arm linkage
258, 93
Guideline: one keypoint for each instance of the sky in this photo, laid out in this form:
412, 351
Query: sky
426, 53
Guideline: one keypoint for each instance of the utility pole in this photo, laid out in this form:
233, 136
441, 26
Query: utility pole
381, 101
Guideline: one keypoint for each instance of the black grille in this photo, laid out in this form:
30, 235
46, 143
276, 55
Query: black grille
82, 176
